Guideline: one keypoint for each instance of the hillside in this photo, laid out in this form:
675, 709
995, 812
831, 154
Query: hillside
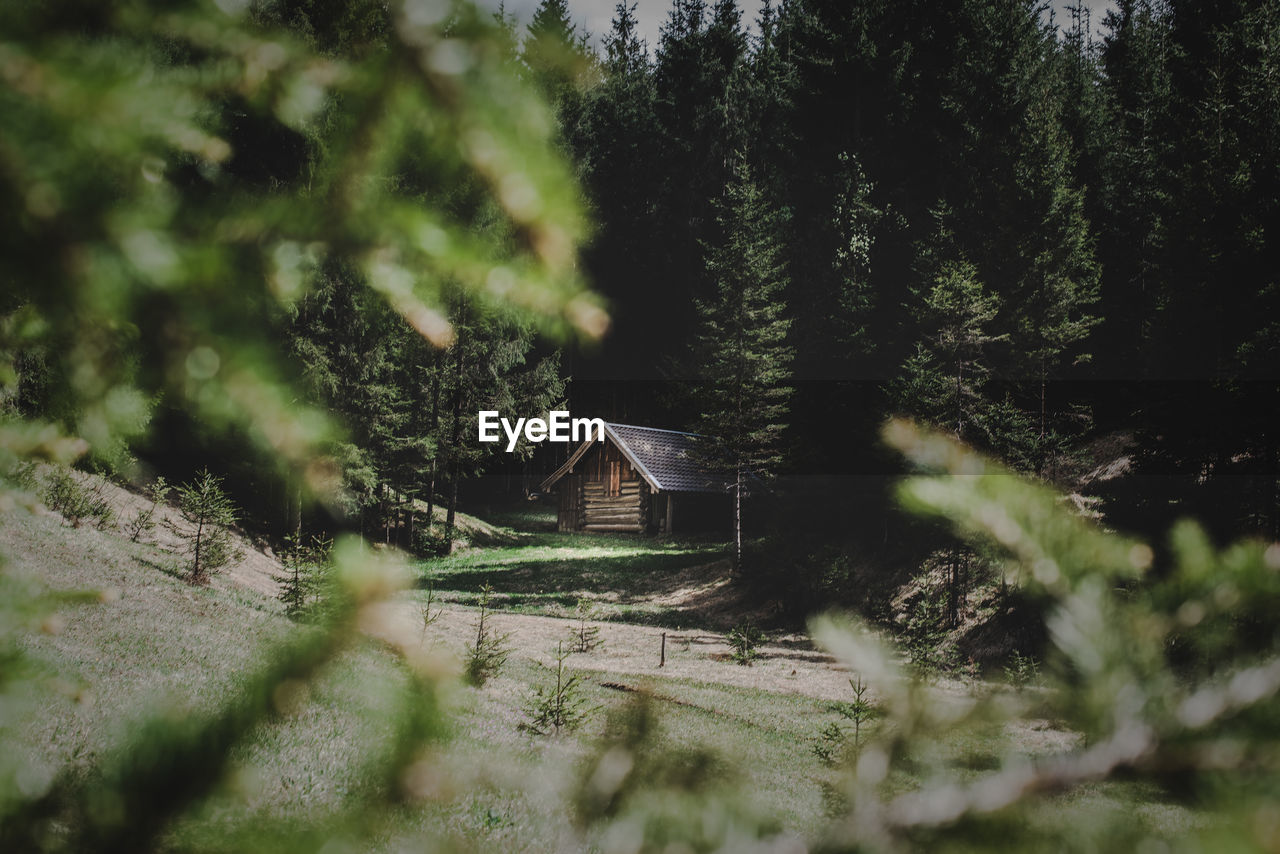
158, 642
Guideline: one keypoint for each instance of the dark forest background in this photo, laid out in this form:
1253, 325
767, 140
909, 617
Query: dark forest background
1061, 247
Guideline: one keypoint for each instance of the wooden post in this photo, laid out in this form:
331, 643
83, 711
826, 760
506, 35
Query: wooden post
662, 661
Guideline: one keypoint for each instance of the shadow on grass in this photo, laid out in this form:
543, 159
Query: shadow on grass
814, 657
799, 642
631, 576
524, 519
644, 580
171, 568
978, 761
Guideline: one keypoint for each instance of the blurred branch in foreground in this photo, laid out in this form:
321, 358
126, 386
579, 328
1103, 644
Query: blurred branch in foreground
1167, 666
174, 176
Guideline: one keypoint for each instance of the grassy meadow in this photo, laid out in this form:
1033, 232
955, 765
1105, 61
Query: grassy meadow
639, 580
160, 643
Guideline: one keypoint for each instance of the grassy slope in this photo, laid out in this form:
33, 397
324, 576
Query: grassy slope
164, 642
771, 732
646, 580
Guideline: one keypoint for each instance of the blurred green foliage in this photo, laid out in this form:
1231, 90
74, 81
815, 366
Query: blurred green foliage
1167, 668
173, 176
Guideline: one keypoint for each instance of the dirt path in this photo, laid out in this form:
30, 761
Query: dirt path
788, 664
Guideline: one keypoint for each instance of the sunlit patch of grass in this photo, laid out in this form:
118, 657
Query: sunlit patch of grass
548, 572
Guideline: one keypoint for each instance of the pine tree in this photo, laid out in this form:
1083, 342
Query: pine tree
209, 513
700, 111
1054, 295
1212, 326
944, 381
306, 576
1133, 187
854, 220
487, 368
742, 351
556, 55
768, 91
362, 173
618, 154
1003, 162
559, 706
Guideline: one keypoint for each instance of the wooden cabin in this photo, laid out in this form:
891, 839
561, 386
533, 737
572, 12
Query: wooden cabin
637, 480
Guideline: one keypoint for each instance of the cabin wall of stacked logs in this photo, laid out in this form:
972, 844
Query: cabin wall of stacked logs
603, 493
614, 497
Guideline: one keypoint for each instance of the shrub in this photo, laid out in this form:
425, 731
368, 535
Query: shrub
65, 494
558, 706
829, 745
832, 741
427, 543
144, 521
486, 656
24, 476
304, 580
1022, 670
925, 631
100, 509
427, 611
584, 637
744, 640
210, 513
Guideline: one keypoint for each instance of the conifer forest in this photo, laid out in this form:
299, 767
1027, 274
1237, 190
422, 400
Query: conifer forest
939, 350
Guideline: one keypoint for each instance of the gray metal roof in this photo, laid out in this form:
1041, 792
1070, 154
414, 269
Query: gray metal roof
664, 458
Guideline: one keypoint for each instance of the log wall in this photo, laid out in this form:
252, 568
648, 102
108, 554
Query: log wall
603, 512
605, 494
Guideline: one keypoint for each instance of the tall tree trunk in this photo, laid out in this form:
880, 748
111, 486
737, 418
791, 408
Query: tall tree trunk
295, 521
435, 456
737, 522
455, 429
1043, 403
413, 513
431, 491
450, 515
195, 557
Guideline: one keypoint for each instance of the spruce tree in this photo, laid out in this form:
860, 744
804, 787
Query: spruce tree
556, 54
845, 327
1133, 185
1052, 296
699, 109
488, 367
619, 156
742, 350
209, 513
945, 380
